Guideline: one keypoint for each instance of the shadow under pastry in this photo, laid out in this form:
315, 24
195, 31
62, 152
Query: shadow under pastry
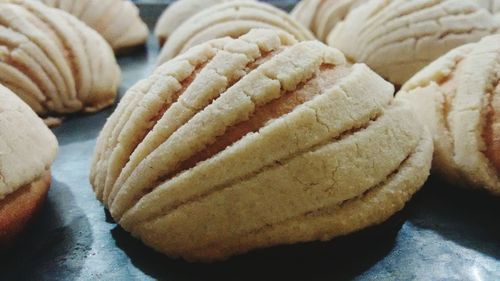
54, 244
466, 217
342, 258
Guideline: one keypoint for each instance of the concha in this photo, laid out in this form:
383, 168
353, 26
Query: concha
458, 97
27, 146
246, 143
54, 62
232, 19
118, 21
397, 38
321, 16
177, 13
27, 150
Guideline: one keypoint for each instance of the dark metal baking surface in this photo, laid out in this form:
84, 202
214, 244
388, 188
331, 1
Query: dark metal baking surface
444, 233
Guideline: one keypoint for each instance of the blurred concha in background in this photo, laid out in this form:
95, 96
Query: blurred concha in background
53, 61
232, 19
118, 21
247, 143
177, 13
458, 97
321, 16
396, 38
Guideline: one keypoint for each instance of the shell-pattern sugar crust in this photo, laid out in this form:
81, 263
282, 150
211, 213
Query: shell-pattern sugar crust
396, 38
322, 16
458, 96
118, 21
177, 13
232, 19
27, 146
54, 62
245, 143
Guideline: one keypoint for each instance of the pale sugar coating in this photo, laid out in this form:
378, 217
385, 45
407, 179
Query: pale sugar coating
235, 144
397, 38
54, 62
27, 146
232, 19
457, 96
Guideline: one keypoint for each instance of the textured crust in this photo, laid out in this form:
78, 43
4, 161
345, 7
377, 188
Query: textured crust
54, 62
277, 130
373, 207
232, 19
457, 96
27, 146
177, 13
398, 38
322, 16
19, 207
27, 150
118, 21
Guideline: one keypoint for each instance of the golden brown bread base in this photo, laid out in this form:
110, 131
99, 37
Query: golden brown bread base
19, 207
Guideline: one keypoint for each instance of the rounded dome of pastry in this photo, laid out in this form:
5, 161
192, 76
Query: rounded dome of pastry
54, 62
246, 143
27, 146
27, 150
177, 13
458, 97
232, 19
397, 38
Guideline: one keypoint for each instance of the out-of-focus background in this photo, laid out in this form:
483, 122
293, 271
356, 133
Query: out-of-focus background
168, 1
151, 9
284, 4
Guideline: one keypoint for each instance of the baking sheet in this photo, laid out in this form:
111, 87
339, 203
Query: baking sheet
444, 233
